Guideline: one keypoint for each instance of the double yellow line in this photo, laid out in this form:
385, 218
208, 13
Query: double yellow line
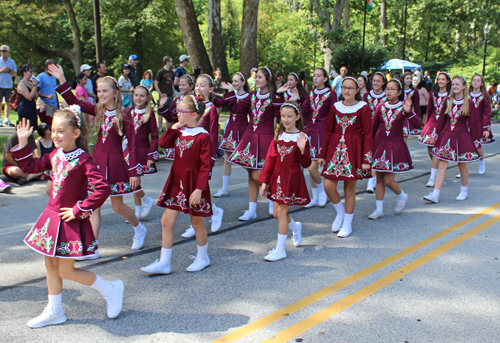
341, 305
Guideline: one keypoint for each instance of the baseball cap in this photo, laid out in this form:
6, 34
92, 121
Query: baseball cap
85, 67
364, 73
183, 58
133, 57
5, 47
253, 69
126, 65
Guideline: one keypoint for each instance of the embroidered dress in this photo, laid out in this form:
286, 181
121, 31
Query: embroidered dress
71, 172
409, 129
436, 107
146, 150
391, 153
282, 171
455, 143
170, 115
108, 152
373, 100
315, 111
348, 142
238, 120
252, 149
210, 122
480, 110
190, 170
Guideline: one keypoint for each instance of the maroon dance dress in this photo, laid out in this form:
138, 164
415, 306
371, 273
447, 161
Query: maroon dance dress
315, 111
435, 108
409, 129
170, 115
348, 142
455, 142
210, 122
108, 152
480, 109
390, 152
373, 100
190, 170
282, 171
238, 120
72, 171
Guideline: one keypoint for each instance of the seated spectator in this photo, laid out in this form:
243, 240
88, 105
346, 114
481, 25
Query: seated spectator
44, 143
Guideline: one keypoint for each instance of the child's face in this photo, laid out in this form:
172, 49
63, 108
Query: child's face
442, 81
408, 79
477, 82
186, 115
289, 118
260, 80
83, 81
392, 91
349, 90
238, 82
105, 93
184, 87
361, 81
319, 79
377, 82
63, 135
203, 87
457, 86
292, 81
140, 97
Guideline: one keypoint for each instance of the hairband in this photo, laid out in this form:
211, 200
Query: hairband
461, 77
326, 71
351, 78
210, 78
381, 74
112, 79
242, 76
146, 88
190, 77
364, 78
75, 110
269, 72
446, 73
296, 76
400, 85
289, 104
407, 73
195, 100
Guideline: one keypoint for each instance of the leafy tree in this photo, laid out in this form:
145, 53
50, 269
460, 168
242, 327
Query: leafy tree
350, 54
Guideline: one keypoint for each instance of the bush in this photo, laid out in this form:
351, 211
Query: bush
349, 55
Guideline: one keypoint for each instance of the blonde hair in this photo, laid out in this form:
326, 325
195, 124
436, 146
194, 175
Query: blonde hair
198, 107
148, 103
83, 140
210, 84
117, 104
465, 107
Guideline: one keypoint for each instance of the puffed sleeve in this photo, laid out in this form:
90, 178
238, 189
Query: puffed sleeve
30, 165
376, 120
270, 164
153, 154
305, 157
44, 118
205, 162
214, 133
366, 122
167, 140
413, 118
330, 129
65, 91
416, 106
487, 114
306, 108
136, 169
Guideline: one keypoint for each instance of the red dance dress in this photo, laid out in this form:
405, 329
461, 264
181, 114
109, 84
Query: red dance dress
480, 109
373, 100
190, 170
238, 120
170, 115
455, 142
316, 109
409, 129
252, 149
282, 171
71, 173
436, 107
391, 153
210, 122
348, 142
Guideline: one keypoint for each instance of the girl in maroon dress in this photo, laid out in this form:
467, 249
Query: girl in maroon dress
410, 130
435, 108
293, 82
282, 177
187, 189
455, 141
315, 109
63, 230
346, 153
390, 153
111, 126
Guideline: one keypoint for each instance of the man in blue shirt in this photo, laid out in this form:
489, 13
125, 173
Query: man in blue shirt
132, 60
337, 82
180, 71
8, 69
47, 89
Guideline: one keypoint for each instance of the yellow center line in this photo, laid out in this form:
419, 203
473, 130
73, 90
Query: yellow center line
286, 311
352, 299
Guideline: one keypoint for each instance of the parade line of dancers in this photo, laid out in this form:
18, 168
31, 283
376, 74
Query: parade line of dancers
360, 136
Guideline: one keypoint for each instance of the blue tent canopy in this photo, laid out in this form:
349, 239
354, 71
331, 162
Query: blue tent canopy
399, 64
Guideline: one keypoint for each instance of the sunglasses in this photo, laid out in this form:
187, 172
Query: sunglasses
4, 51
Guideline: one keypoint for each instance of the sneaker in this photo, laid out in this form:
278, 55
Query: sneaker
221, 193
457, 176
375, 215
432, 198
275, 255
322, 199
88, 257
3, 186
138, 241
147, 205
216, 220
314, 202
198, 264
344, 232
337, 223
49, 316
247, 215
431, 183
462, 196
401, 205
115, 298
188, 233
9, 124
271, 207
297, 234
157, 268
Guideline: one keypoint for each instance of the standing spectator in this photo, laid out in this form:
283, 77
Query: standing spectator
388, 76
164, 84
125, 85
8, 69
427, 77
132, 60
89, 88
47, 89
180, 71
415, 80
337, 82
424, 97
218, 90
101, 72
79, 85
418, 73
197, 71
252, 78
28, 91
148, 82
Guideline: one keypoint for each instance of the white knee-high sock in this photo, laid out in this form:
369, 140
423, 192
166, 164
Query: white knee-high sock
225, 182
101, 285
280, 245
165, 256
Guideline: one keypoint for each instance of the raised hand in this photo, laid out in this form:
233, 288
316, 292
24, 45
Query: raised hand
23, 132
283, 88
407, 104
227, 86
295, 94
302, 141
163, 99
57, 71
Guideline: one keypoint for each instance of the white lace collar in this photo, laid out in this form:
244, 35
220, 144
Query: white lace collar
192, 131
239, 97
109, 113
348, 109
442, 94
139, 111
408, 90
322, 91
208, 104
475, 95
396, 105
70, 155
458, 102
377, 96
289, 137
289, 92
260, 96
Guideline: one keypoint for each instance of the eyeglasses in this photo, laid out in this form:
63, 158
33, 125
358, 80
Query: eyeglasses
391, 89
182, 112
349, 89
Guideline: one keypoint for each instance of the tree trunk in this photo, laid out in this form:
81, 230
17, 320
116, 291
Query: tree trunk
323, 13
383, 22
216, 48
248, 48
76, 50
192, 36
347, 16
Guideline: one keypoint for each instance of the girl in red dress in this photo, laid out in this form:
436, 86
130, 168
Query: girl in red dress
346, 153
435, 108
111, 125
455, 141
283, 175
410, 130
293, 82
316, 109
390, 153
187, 189
63, 230
144, 122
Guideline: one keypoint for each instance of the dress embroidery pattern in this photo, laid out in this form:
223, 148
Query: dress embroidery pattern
389, 117
120, 187
207, 111
430, 139
445, 152
476, 100
455, 113
312, 150
382, 163
69, 248
59, 173
340, 165
244, 157
183, 144
291, 200
316, 103
41, 238
401, 166
106, 125
229, 143
138, 118
180, 200
284, 150
374, 102
468, 156
258, 109
438, 104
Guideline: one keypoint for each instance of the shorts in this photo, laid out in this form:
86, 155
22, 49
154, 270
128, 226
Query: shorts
6, 169
49, 109
5, 93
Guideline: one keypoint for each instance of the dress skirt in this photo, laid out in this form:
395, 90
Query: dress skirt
393, 157
455, 147
233, 135
252, 150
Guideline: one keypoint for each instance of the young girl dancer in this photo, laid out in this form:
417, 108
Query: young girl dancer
252, 150
480, 109
410, 130
347, 150
283, 175
455, 142
187, 189
112, 125
293, 82
238, 122
435, 108
364, 85
391, 155
63, 230
316, 109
